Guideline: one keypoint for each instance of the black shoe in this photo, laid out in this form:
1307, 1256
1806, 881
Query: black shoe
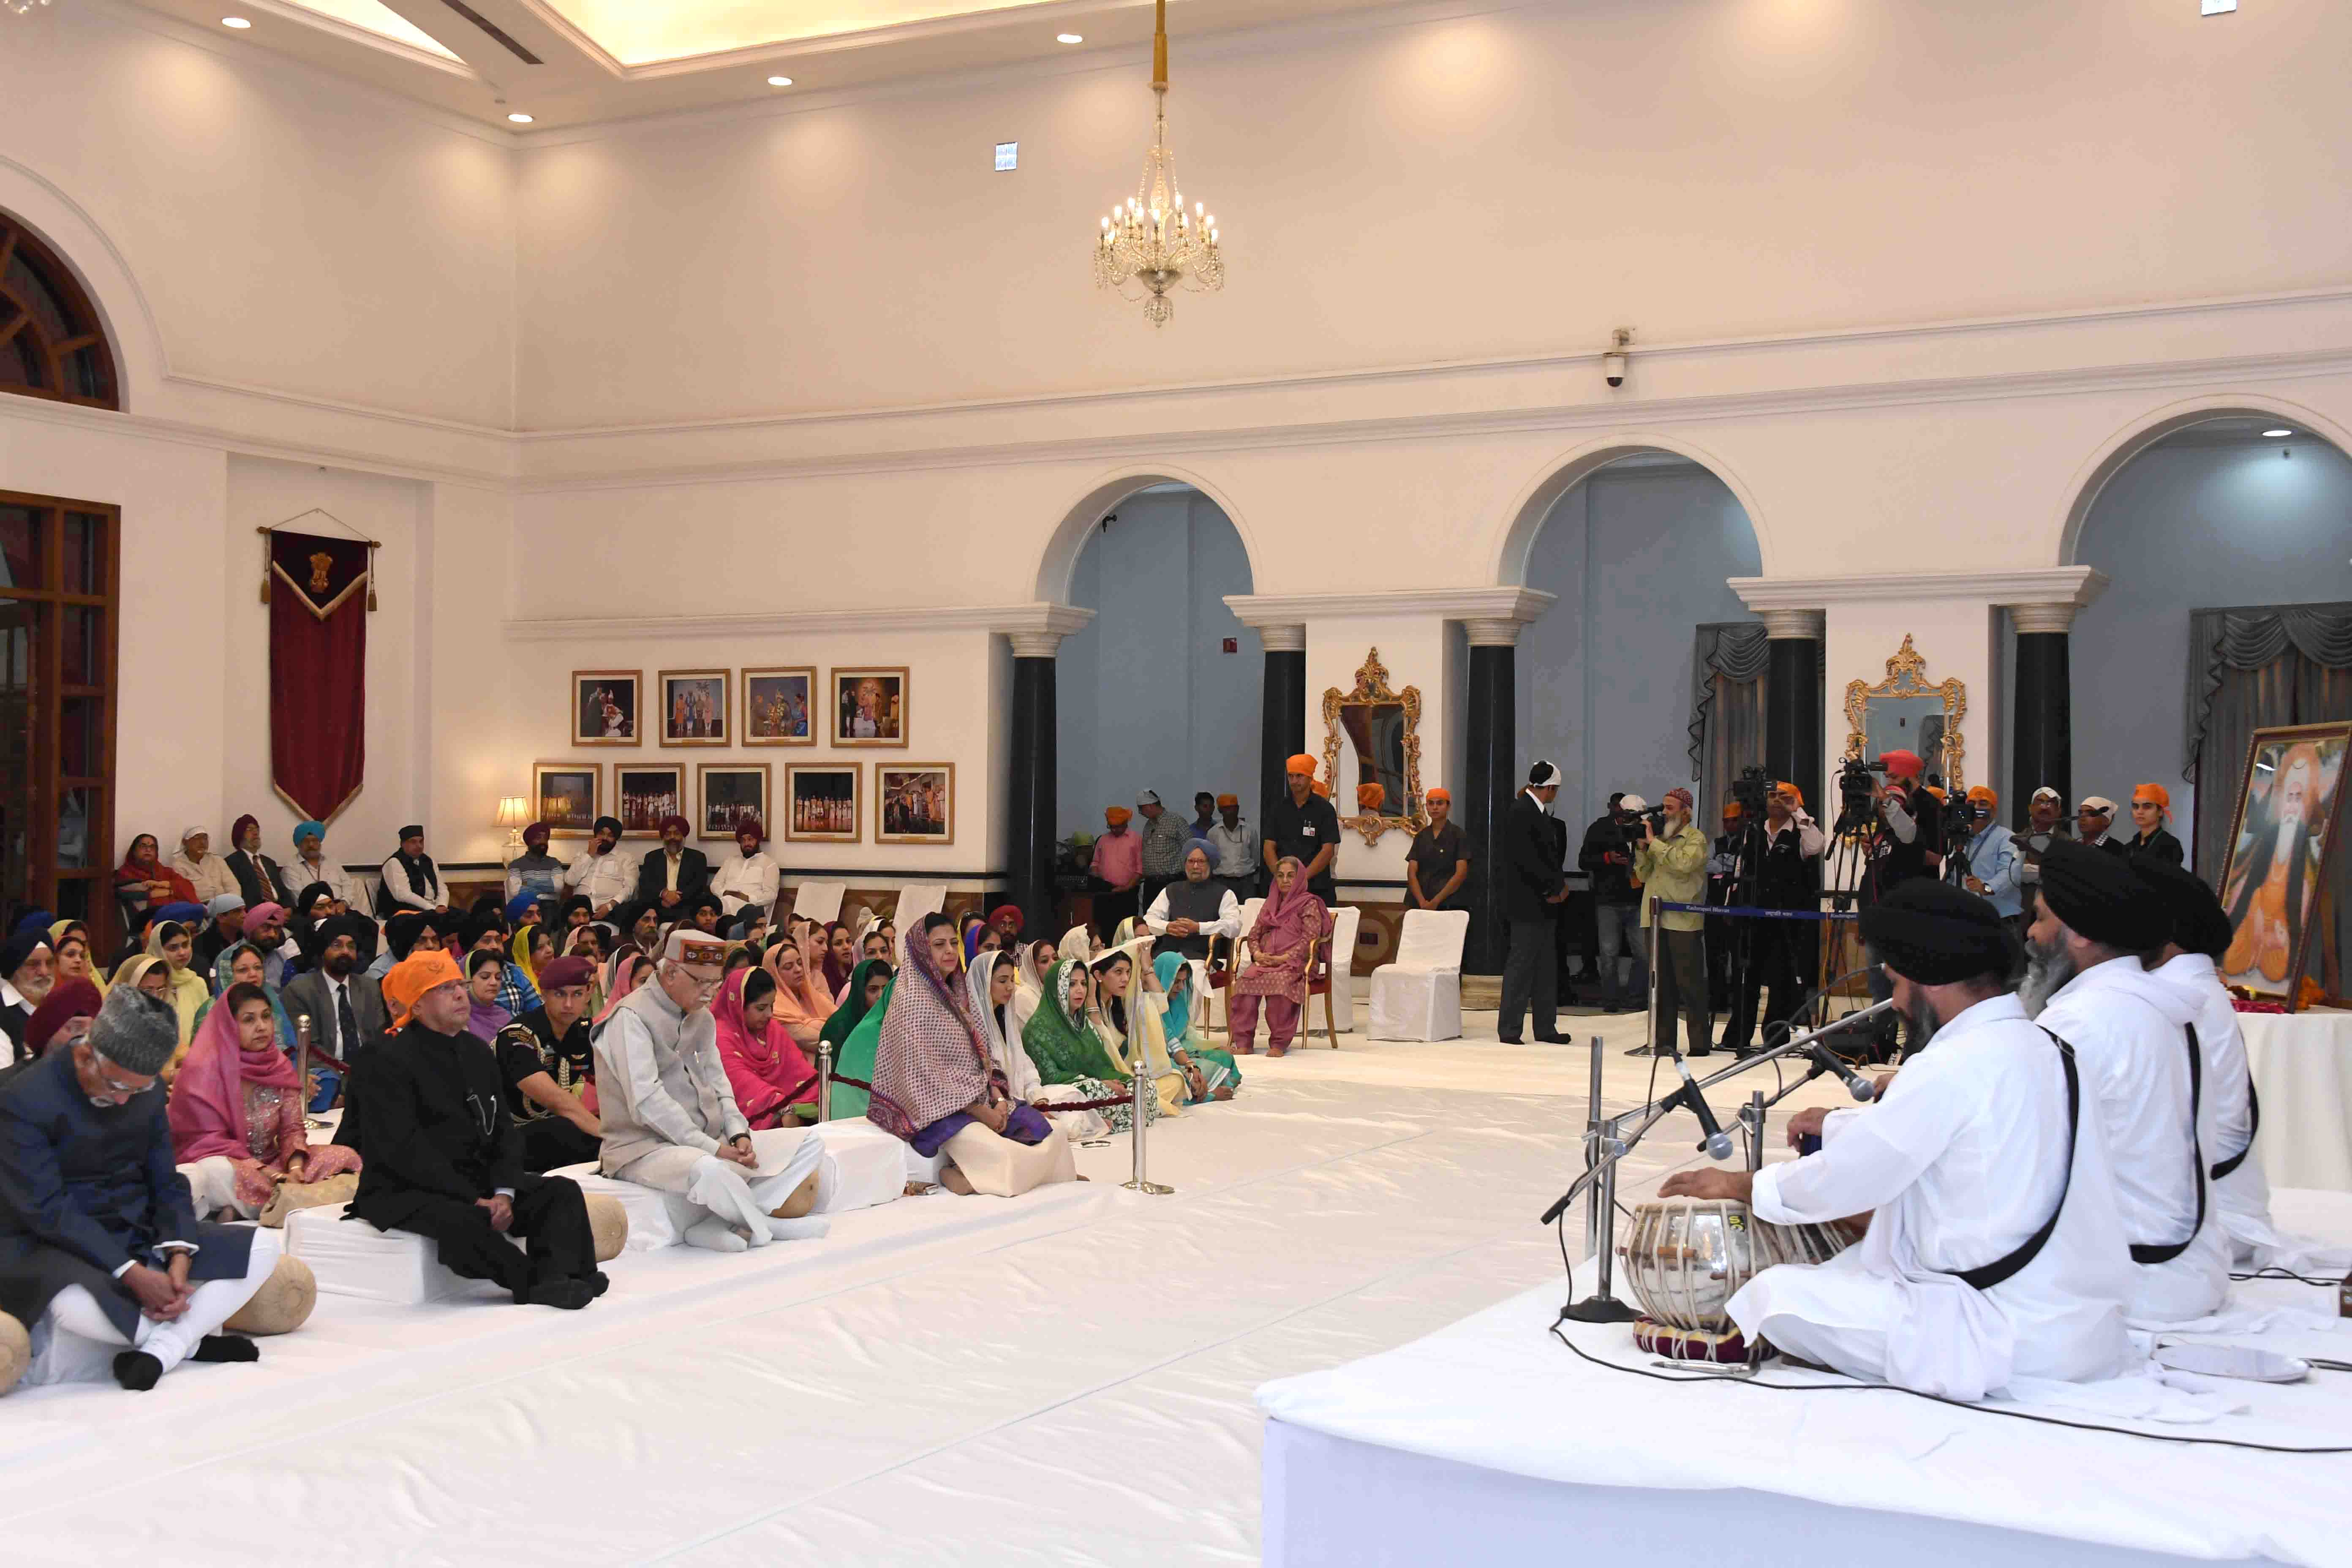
137, 1371
225, 1347
1702, 1051
1610, 1007
598, 1283
1554, 1039
568, 1294
1509, 1040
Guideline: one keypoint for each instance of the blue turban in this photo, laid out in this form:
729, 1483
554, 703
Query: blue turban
317, 830
35, 920
520, 902
181, 912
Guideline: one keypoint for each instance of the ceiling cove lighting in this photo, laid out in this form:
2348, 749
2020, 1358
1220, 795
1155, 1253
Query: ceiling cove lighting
2277, 434
21, 7
1069, 38
1149, 239
239, 23
520, 118
780, 81
2217, 7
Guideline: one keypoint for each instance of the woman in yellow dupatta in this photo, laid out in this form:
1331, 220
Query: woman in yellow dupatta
175, 945
1127, 1029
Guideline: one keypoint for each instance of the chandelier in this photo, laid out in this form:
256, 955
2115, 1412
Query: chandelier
1148, 239
22, 6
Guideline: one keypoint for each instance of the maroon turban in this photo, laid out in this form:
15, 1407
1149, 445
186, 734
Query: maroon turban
558, 973
682, 824
66, 1000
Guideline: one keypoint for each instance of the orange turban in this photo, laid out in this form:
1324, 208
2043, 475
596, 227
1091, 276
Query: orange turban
2156, 793
1322, 789
1301, 764
1984, 793
415, 975
1444, 795
1118, 815
1730, 809
1938, 791
1901, 764
1368, 796
1229, 800
1793, 792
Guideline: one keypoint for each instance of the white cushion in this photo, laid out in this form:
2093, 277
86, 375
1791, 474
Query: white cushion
871, 1165
820, 900
351, 1258
657, 1219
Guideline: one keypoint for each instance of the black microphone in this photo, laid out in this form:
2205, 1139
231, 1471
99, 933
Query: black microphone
1715, 1146
1826, 1060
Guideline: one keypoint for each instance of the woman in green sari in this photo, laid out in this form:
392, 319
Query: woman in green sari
855, 1031
1187, 1042
1062, 1042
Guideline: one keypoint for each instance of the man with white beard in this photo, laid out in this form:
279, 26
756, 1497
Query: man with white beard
1994, 1250
2141, 1065
2228, 1115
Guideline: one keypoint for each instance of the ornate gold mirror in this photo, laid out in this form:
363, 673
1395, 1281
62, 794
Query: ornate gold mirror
1905, 714
1381, 729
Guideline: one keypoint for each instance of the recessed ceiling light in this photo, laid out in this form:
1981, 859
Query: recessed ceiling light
2274, 435
780, 81
520, 118
239, 23
1069, 38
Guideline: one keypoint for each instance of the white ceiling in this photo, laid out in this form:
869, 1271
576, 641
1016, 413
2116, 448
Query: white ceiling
608, 59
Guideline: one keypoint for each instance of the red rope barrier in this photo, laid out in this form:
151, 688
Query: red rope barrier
1050, 1107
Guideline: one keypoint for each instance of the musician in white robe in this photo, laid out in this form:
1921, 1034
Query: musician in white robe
2229, 1117
2093, 919
1973, 1161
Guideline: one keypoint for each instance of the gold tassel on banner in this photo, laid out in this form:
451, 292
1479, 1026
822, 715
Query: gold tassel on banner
370, 577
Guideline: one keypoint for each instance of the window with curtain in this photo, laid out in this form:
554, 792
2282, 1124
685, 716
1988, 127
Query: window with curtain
1728, 662
2255, 667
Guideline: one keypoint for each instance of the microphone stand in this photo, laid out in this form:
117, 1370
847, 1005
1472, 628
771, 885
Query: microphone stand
1608, 1140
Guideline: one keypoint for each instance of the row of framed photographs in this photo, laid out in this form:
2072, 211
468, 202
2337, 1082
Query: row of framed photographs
781, 707
914, 803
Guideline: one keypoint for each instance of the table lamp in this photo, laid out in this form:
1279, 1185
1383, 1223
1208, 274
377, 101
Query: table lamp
514, 815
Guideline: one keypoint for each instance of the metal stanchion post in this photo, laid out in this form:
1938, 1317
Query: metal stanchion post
303, 1066
1752, 1114
824, 1081
1143, 1086
1650, 944
1592, 1134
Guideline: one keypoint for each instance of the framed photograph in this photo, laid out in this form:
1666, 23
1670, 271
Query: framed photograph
642, 796
777, 709
869, 706
2282, 846
694, 707
568, 797
914, 803
605, 706
821, 802
727, 793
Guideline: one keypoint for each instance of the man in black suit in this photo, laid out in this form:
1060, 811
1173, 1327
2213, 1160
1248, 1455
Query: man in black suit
1536, 847
674, 875
444, 1159
344, 1007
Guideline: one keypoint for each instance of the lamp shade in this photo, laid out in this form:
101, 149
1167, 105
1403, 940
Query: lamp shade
514, 811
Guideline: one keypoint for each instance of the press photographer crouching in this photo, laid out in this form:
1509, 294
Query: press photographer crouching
1782, 955
1670, 859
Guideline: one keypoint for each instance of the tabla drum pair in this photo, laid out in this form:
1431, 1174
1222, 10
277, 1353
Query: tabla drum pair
1684, 1259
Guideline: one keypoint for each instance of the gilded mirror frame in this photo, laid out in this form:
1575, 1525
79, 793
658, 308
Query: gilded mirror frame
1907, 675
1373, 687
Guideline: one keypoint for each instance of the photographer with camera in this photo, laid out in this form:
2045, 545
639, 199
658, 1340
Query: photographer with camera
1782, 954
1607, 858
1670, 859
1906, 845
1988, 863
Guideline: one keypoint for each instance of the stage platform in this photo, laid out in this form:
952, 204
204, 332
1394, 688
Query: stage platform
1490, 1442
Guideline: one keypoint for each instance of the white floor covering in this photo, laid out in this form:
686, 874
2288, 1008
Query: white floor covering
1064, 1378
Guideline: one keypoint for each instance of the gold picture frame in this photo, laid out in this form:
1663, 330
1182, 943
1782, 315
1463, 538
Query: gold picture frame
817, 808
717, 818
554, 802
643, 794
608, 708
697, 707
1946, 703
888, 714
919, 798
2301, 765
1373, 719
768, 695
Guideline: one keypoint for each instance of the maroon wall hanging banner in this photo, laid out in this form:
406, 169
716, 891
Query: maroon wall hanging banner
320, 591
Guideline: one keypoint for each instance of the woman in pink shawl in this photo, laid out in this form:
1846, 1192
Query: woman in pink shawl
802, 1002
1279, 947
936, 1087
236, 1111
774, 1083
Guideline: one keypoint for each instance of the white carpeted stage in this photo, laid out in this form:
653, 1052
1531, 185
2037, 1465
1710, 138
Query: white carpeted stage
1064, 1378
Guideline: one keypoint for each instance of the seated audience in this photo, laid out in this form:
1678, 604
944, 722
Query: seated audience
223, 926
100, 1245
345, 1007
549, 1065
62, 1018
600, 873
207, 874
28, 968
671, 875
411, 880
259, 879
143, 883
774, 1083
1193, 911
854, 1032
2151, 803
936, 1087
535, 871
404, 933
532, 946
442, 1159
1061, 1040
747, 880
265, 928
236, 1111
996, 985
875, 945
840, 958
485, 977
671, 1121
702, 914
1006, 918
1211, 1073
174, 945
69, 940
240, 965
803, 1007
1127, 1029
1288, 926
311, 865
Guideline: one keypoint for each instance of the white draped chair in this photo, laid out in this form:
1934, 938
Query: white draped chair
819, 901
1339, 999
917, 900
1419, 995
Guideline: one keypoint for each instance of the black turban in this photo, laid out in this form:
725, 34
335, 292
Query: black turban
2199, 923
411, 830
2098, 897
612, 823
358, 928
1935, 934
19, 948
401, 931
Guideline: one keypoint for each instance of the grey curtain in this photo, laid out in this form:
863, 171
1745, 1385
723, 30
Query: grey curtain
1728, 660
2257, 668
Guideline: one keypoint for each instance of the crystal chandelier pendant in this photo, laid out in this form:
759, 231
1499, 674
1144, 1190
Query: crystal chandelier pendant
1149, 244
21, 7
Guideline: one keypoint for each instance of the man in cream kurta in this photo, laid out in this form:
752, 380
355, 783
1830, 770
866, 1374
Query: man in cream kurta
671, 1121
1968, 1156
2093, 919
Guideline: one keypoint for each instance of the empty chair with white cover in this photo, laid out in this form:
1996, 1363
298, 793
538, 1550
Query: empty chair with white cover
1419, 995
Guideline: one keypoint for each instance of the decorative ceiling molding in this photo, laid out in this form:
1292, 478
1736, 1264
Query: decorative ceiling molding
2019, 585
1452, 604
1012, 620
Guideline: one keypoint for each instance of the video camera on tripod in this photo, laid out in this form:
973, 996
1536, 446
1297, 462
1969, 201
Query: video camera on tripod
1857, 785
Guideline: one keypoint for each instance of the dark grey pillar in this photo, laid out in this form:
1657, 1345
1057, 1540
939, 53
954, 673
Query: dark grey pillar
1030, 848
1490, 776
2041, 740
1793, 702
1283, 732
